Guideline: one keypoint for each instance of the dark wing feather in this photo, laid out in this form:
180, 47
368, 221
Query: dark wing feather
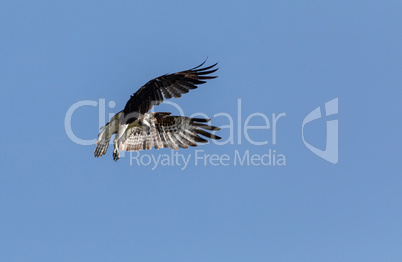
166, 87
167, 131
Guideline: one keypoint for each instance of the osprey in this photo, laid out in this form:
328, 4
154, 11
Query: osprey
136, 129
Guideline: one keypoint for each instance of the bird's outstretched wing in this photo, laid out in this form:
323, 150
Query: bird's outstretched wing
167, 131
165, 87
105, 134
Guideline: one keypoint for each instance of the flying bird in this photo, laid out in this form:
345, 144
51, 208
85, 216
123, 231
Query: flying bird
135, 129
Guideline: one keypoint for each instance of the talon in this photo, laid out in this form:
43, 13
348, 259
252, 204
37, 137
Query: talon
116, 155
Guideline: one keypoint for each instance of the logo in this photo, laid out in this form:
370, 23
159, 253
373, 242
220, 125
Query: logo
240, 130
331, 149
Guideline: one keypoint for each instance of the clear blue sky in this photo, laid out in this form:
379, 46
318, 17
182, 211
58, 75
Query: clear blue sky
59, 203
